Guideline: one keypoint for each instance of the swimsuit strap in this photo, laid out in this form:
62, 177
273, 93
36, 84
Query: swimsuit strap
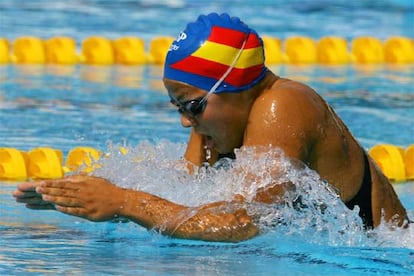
363, 197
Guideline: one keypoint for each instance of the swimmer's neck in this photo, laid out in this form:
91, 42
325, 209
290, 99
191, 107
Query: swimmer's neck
267, 83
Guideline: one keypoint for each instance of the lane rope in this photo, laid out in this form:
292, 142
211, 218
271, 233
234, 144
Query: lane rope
130, 50
395, 162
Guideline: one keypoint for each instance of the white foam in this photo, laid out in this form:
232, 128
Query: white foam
314, 211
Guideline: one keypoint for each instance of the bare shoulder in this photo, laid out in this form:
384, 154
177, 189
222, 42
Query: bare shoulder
289, 100
287, 91
286, 115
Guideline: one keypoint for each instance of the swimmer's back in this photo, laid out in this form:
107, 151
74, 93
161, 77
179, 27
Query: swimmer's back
292, 116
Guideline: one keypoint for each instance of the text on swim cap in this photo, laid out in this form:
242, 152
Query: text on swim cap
182, 36
175, 47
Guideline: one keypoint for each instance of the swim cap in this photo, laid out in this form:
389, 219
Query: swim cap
205, 50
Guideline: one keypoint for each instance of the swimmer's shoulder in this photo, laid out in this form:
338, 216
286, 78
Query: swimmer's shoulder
285, 91
283, 85
288, 103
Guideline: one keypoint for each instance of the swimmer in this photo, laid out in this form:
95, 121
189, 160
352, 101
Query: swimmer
216, 76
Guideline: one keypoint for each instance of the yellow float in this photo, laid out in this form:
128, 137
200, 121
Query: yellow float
97, 51
390, 159
159, 48
367, 50
61, 50
399, 50
28, 50
4, 51
129, 51
82, 157
409, 162
13, 163
45, 163
300, 50
273, 50
333, 50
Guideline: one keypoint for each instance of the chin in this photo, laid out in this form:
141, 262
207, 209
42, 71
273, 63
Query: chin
223, 148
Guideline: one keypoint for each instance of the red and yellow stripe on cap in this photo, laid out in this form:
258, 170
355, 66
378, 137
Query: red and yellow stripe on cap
218, 52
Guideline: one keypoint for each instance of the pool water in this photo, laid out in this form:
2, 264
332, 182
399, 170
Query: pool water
107, 107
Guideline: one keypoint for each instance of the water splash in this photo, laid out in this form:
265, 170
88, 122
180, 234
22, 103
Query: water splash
313, 212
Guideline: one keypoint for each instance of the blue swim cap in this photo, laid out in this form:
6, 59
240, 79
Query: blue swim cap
207, 48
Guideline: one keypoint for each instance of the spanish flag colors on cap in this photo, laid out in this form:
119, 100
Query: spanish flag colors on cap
205, 50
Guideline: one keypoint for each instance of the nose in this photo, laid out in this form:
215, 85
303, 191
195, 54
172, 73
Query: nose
187, 121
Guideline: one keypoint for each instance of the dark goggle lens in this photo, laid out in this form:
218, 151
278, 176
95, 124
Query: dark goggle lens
193, 107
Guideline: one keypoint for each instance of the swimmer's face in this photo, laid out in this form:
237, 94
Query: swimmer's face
217, 117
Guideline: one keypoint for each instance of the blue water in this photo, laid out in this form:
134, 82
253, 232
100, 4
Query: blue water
376, 105
280, 18
103, 107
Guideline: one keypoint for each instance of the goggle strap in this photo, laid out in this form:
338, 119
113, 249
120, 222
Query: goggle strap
236, 58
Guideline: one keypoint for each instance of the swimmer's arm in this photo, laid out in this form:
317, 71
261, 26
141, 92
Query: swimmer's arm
97, 199
219, 221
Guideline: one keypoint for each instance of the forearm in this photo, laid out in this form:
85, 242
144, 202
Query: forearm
148, 210
220, 221
216, 225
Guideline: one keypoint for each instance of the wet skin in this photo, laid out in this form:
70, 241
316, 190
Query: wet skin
277, 112
291, 116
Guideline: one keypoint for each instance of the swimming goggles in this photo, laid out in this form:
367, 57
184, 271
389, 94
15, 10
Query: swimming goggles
195, 107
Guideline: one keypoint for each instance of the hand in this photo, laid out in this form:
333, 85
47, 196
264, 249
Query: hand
88, 197
26, 193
